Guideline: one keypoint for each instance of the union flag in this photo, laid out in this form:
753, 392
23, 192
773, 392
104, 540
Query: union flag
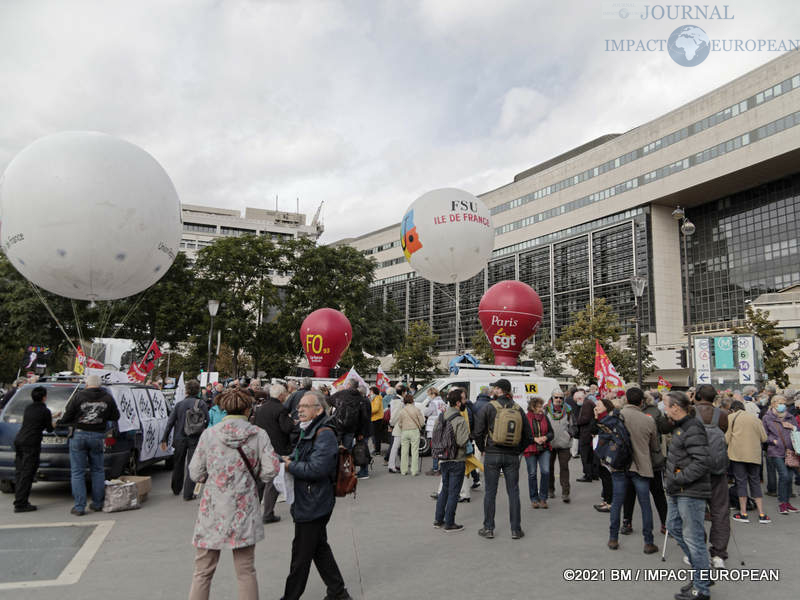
382, 381
80, 361
150, 357
607, 377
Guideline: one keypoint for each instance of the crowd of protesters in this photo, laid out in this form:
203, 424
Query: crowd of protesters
697, 454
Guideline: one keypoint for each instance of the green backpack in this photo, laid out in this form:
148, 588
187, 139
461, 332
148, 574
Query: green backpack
507, 427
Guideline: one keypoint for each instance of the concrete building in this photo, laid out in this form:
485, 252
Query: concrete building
203, 224
579, 226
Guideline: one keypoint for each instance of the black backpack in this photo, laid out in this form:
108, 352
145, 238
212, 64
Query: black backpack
614, 447
361, 456
195, 421
347, 416
443, 438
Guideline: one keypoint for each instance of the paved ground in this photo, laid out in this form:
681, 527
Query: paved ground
393, 551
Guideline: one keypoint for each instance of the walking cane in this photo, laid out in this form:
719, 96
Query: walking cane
664, 549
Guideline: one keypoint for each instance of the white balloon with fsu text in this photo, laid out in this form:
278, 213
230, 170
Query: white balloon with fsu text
447, 235
88, 216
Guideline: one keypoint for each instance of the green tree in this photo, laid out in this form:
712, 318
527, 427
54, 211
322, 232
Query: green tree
170, 310
481, 348
24, 321
595, 322
544, 354
236, 271
627, 360
778, 358
337, 277
416, 355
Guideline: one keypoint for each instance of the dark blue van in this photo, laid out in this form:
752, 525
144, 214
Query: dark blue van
123, 451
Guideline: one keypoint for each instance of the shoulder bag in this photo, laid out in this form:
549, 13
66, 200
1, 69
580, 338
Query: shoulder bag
792, 459
259, 487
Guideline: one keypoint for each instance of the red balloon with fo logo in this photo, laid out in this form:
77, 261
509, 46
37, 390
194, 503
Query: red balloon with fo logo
325, 335
510, 312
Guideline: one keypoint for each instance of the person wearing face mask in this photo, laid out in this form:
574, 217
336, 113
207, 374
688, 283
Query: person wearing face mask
772, 476
779, 425
560, 416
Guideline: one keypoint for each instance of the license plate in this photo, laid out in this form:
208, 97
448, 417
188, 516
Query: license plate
53, 441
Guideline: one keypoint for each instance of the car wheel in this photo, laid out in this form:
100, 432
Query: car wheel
169, 463
6, 486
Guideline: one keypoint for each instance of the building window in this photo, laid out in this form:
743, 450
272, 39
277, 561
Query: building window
199, 227
236, 231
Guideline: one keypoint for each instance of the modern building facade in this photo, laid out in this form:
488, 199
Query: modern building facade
204, 224
579, 226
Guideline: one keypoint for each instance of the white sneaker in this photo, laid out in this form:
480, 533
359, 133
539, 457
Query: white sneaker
686, 560
717, 562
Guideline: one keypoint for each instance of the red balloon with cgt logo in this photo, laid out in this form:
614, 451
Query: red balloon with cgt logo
510, 312
325, 335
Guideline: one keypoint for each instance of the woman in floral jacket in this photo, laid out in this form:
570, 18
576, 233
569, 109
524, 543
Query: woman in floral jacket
230, 515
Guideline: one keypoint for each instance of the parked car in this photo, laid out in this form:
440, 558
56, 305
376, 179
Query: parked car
130, 444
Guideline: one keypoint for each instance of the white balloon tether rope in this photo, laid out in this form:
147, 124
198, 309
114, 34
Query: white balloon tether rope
77, 323
106, 320
133, 308
52, 314
459, 334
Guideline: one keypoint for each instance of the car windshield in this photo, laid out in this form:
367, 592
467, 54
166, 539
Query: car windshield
422, 392
57, 396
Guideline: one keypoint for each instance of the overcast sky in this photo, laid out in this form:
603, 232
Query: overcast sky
363, 104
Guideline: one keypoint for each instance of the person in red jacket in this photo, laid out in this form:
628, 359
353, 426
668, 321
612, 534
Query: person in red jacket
537, 455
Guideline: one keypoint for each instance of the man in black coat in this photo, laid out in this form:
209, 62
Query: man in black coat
585, 422
28, 447
688, 482
352, 414
89, 412
499, 458
313, 465
273, 417
183, 443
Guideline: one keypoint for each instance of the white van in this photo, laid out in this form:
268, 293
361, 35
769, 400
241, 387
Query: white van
524, 383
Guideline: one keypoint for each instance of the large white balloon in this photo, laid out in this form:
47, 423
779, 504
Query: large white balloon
447, 235
89, 216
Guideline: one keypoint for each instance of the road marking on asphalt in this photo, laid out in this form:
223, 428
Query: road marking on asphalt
73, 571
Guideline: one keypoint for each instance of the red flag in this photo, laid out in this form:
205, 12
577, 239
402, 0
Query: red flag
150, 357
93, 363
607, 376
339, 381
382, 381
663, 384
135, 373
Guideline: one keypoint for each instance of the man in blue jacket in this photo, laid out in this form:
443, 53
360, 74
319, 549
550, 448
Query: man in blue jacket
313, 465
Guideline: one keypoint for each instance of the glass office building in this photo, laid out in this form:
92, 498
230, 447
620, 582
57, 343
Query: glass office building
578, 227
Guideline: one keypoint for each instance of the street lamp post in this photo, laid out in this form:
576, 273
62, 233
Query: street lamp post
687, 229
638, 284
213, 307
